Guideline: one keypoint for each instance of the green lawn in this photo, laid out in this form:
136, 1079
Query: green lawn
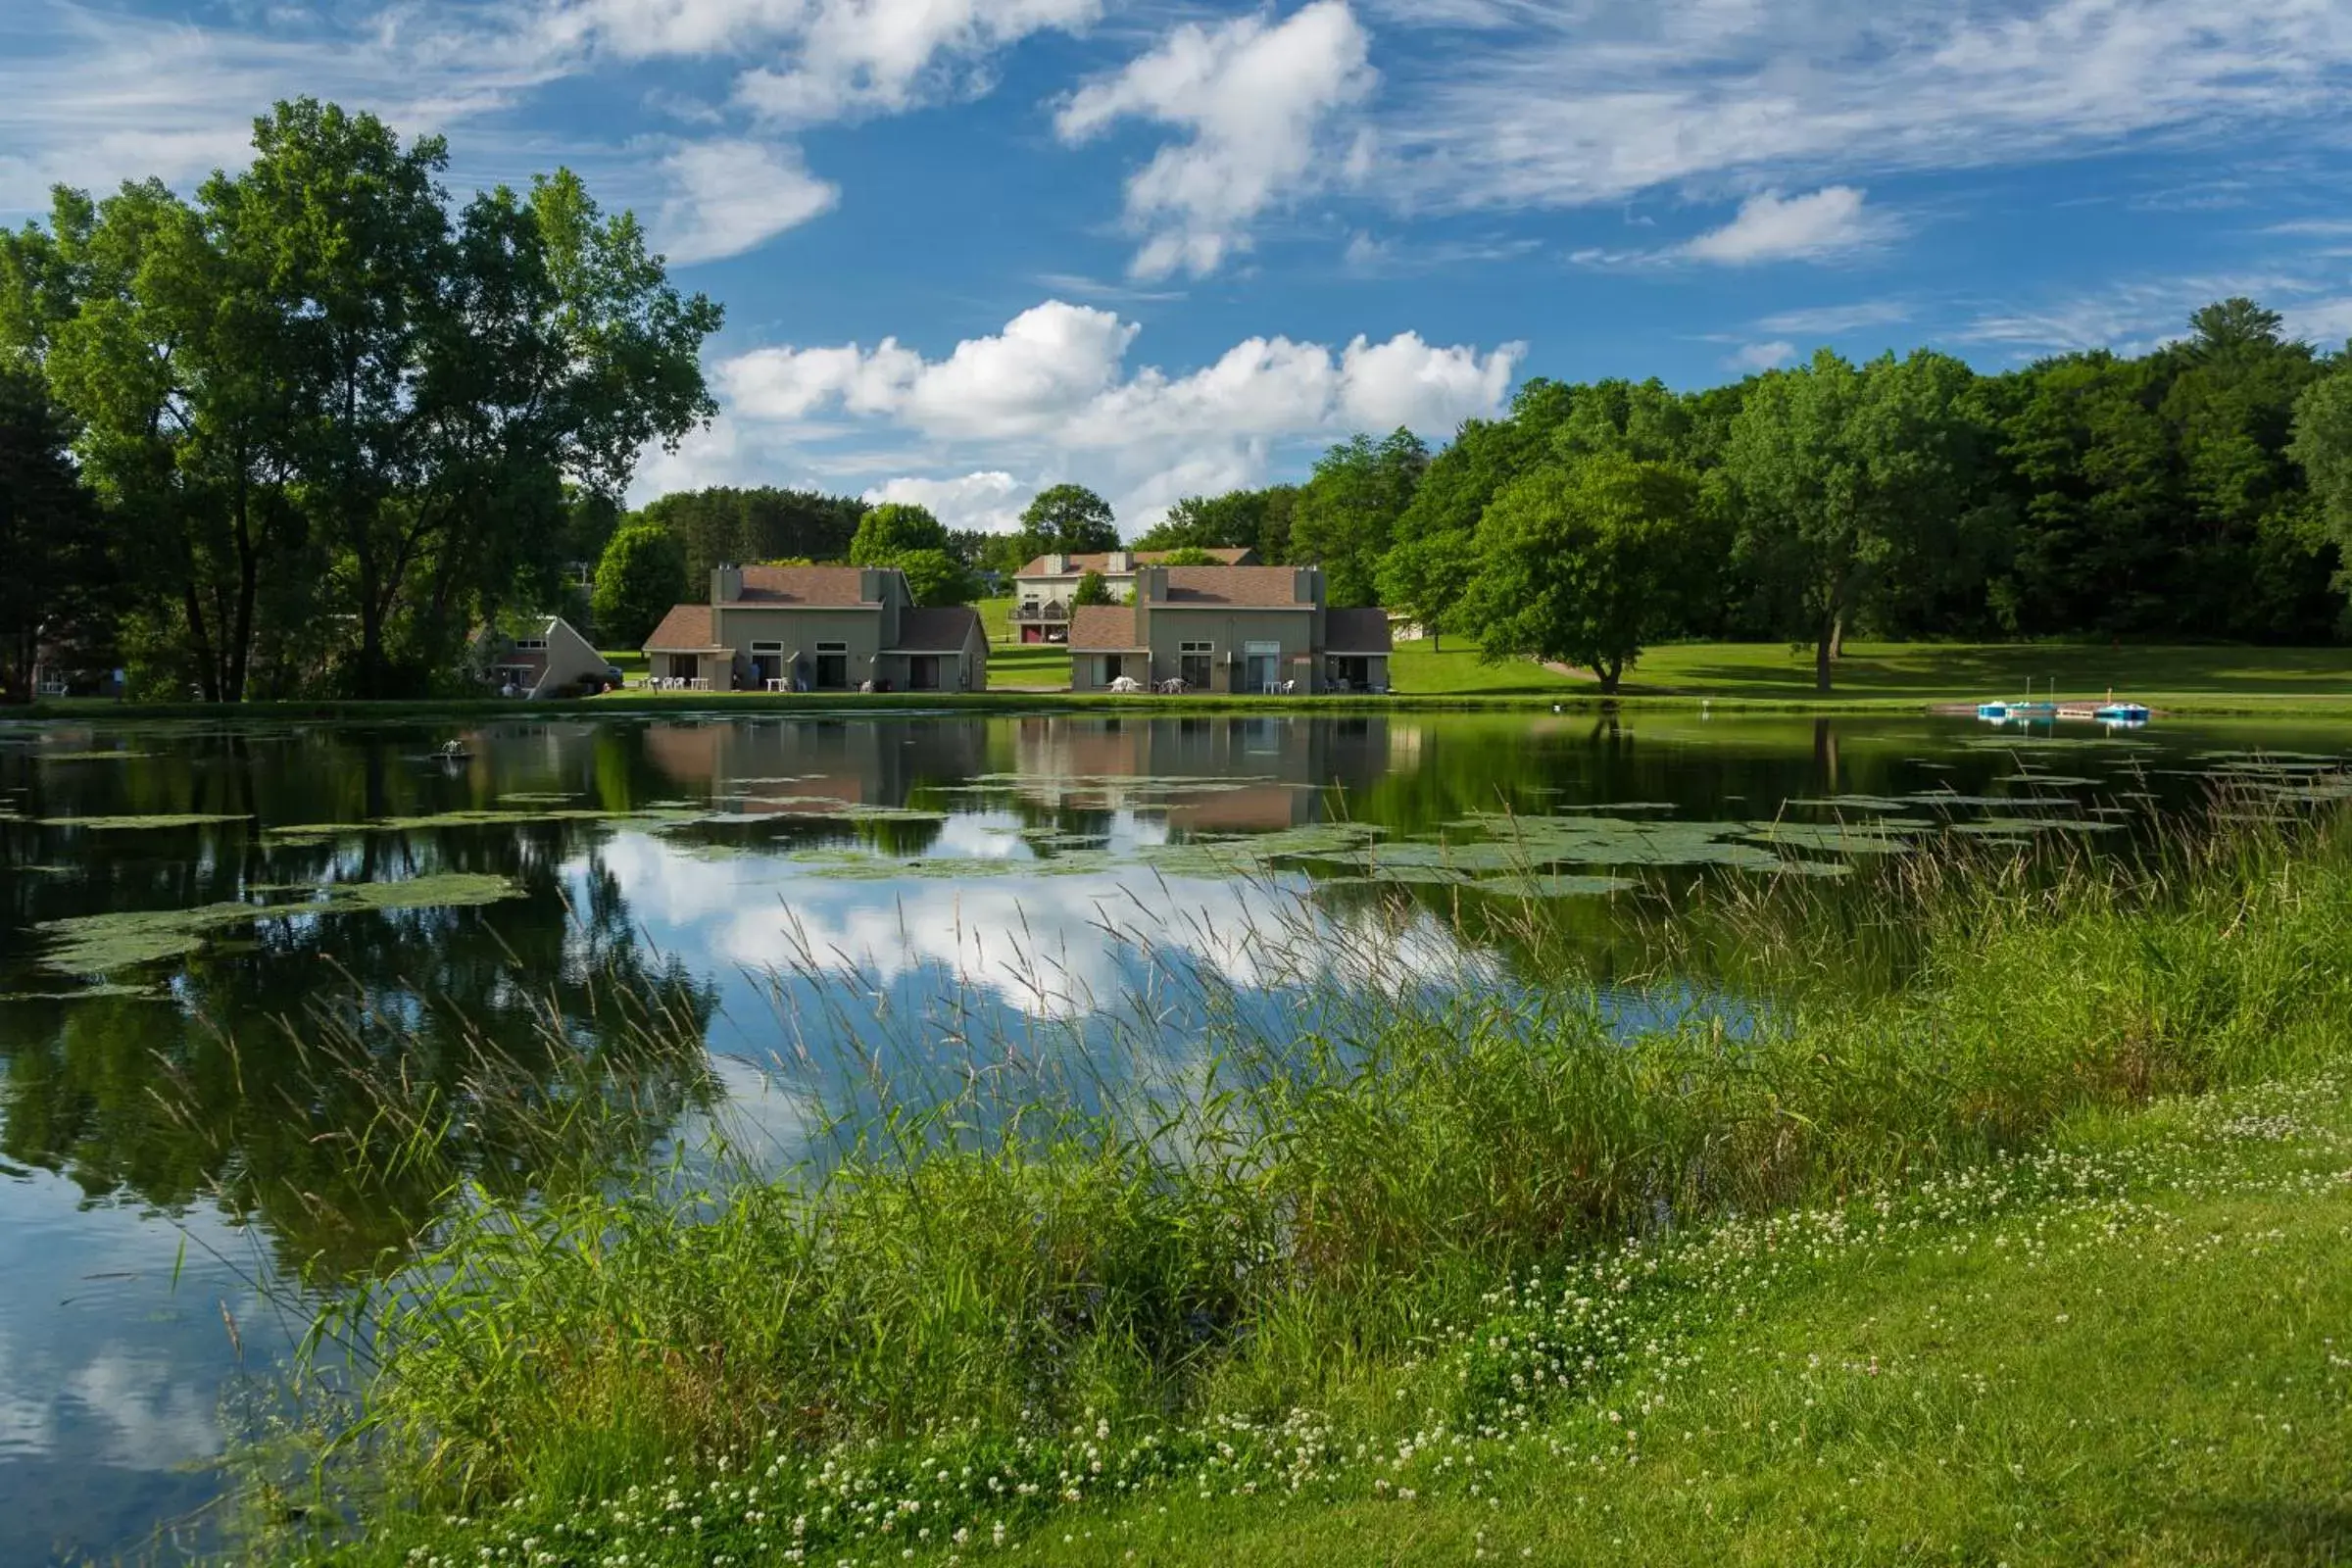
2154, 1369
1029, 665
1415, 670
1968, 671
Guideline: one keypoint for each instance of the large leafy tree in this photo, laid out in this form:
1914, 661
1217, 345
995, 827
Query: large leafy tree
2323, 447
52, 590
1839, 471
936, 577
1239, 519
1427, 568
329, 402
640, 576
894, 529
1068, 518
1583, 561
1347, 514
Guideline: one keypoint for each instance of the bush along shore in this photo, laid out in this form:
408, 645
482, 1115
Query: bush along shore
2031, 1256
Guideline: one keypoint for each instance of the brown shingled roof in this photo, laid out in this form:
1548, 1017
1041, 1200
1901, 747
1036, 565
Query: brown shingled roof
686, 629
1231, 555
1103, 626
935, 631
1253, 587
828, 587
1355, 631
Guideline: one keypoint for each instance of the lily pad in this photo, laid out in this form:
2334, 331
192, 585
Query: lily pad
1554, 886
1832, 838
156, 823
1853, 802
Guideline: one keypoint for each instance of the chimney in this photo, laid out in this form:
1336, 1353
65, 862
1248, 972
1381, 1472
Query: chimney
1119, 561
1057, 564
1150, 584
726, 584
1306, 585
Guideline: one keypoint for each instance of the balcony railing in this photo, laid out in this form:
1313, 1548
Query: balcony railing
1051, 609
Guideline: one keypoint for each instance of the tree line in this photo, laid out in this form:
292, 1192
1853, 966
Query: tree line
310, 429
2199, 491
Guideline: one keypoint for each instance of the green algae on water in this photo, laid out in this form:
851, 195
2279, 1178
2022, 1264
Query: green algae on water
100, 944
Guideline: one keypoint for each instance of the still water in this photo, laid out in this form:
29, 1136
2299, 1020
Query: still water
175, 900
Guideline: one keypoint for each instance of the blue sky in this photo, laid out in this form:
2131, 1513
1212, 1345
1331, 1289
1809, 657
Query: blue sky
969, 248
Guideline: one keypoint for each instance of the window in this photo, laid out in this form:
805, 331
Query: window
832, 667
526, 644
1195, 664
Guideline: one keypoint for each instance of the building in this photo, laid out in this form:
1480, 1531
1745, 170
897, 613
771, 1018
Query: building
548, 658
817, 629
59, 670
1044, 589
1230, 629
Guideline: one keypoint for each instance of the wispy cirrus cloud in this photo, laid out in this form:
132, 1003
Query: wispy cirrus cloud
1835, 320
1565, 106
91, 97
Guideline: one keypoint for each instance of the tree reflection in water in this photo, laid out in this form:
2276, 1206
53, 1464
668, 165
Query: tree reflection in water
333, 1079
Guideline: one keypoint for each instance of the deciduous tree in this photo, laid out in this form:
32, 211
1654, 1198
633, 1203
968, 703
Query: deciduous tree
1347, 514
52, 587
895, 530
1583, 562
1068, 518
641, 575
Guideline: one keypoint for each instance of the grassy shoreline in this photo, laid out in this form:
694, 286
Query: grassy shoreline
1396, 1270
1731, 678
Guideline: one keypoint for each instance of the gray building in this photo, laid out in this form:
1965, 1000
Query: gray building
817, 629
1254, 629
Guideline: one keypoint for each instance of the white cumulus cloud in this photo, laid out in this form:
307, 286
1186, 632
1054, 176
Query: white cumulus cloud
1052, 392
990, 501
728, 196
1262, 103
1771, 228
847, 57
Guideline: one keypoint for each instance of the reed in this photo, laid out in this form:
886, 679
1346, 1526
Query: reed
986, 1251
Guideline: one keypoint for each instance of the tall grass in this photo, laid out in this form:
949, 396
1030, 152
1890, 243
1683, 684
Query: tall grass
1276, 1224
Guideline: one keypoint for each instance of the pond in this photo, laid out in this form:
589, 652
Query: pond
188, 911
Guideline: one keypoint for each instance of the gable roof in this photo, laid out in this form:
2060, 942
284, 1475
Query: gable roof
942, 630
1103, 628
1100, 561
1252, 587
686, 629
1357, 631
823, 587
